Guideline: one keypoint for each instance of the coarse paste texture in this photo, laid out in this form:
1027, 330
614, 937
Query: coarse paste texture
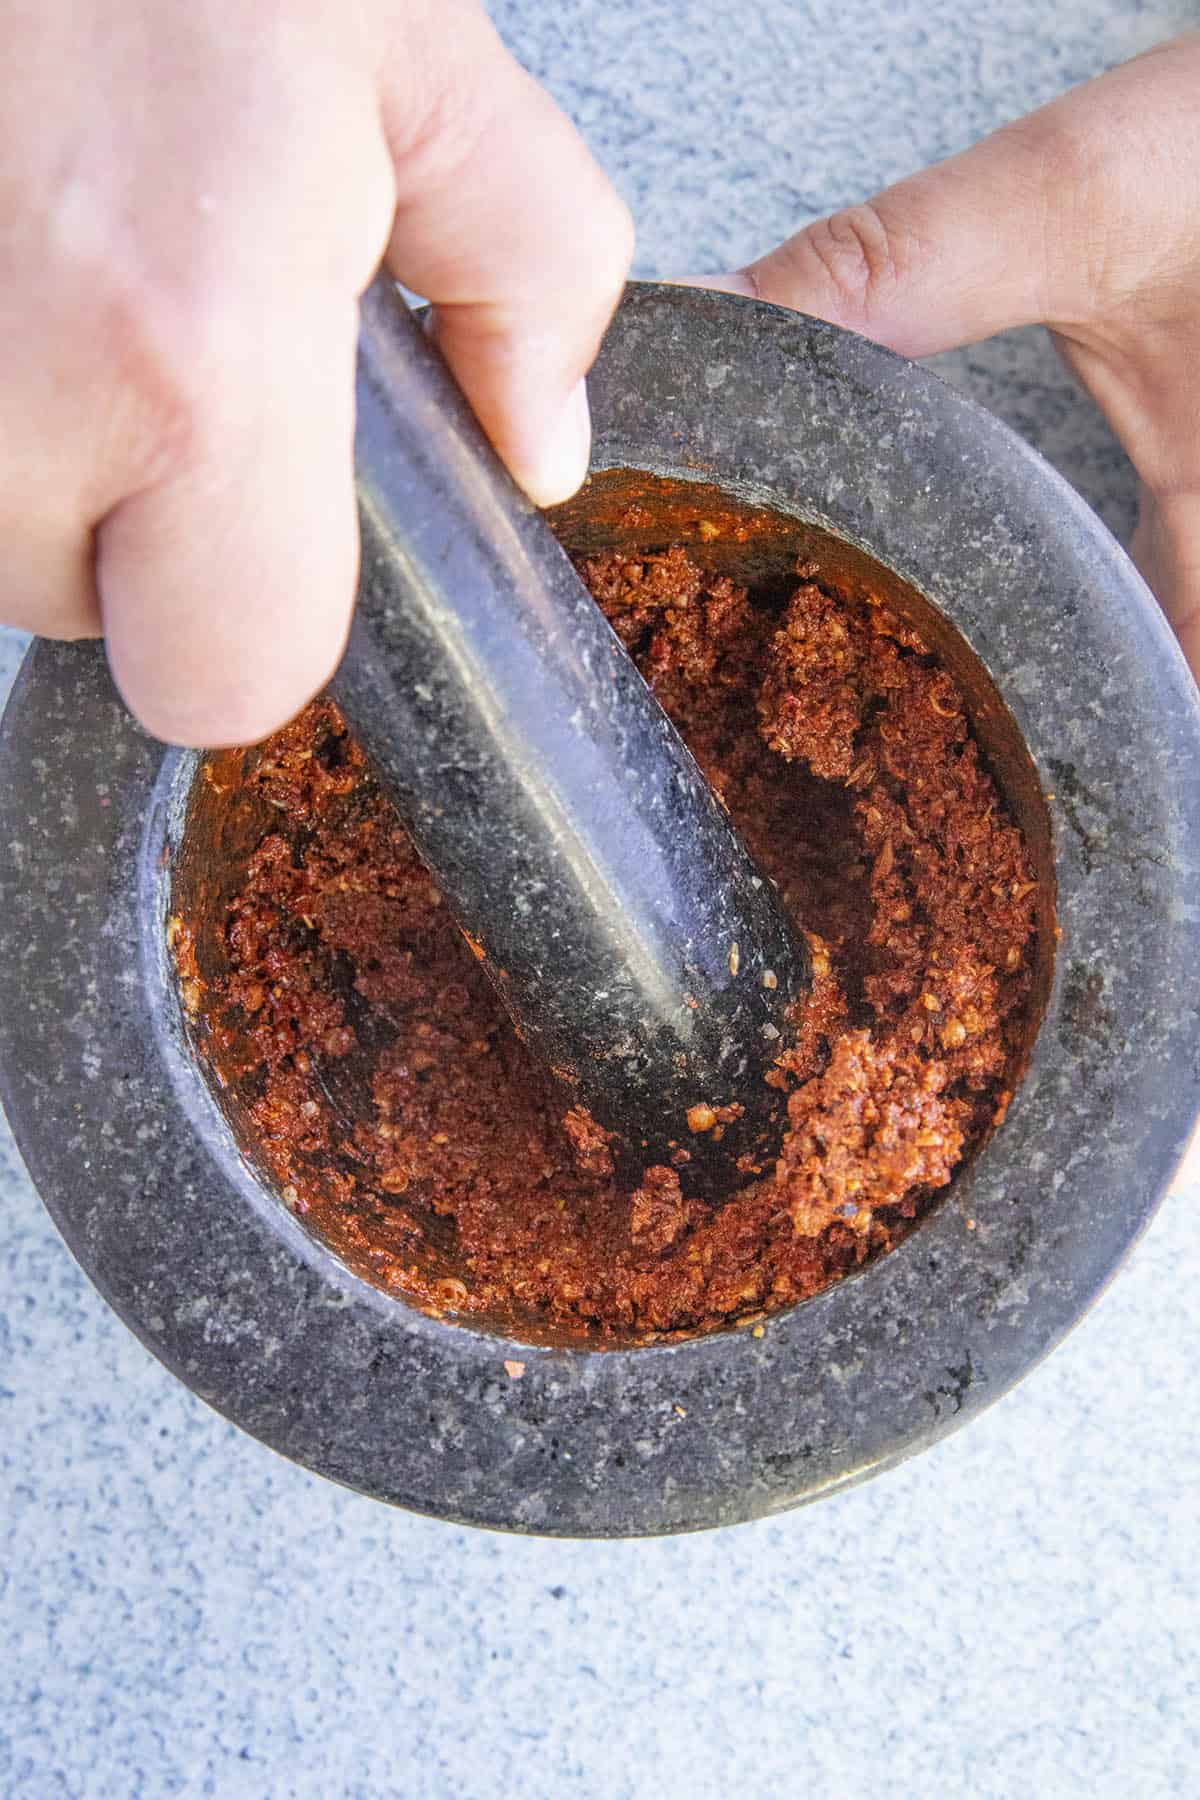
400, 1114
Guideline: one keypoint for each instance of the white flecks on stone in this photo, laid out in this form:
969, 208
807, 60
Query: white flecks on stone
181, 1612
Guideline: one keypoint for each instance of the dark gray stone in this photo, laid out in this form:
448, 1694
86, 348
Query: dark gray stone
140, 1172
502, 713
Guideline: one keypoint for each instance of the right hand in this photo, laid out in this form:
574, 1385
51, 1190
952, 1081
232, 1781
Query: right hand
192, 200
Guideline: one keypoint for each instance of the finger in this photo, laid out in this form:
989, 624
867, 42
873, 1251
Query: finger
507, 225
1166, 548
61, 439
1188, 1173
226, 585
47, 584
1045, 221
926, 265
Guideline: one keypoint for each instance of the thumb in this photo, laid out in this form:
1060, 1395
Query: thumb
1056, 219
944, 258
507, 225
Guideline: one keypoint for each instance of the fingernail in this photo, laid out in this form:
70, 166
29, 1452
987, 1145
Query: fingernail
560, 460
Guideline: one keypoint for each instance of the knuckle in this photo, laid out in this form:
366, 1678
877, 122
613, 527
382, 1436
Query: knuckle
129, 306
1064, 150
161, 343
435, 126
861, 255
165, 328
1077, 182
470, 125
179, 347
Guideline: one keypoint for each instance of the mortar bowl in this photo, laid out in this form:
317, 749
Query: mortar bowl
755, 437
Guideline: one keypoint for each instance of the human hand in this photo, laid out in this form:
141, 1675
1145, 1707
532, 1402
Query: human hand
1082, 217
191, 202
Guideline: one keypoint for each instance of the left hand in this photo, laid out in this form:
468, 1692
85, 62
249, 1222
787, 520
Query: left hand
1081, 217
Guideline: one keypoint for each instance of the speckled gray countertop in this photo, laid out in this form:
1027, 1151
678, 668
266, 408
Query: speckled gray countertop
1013, 1614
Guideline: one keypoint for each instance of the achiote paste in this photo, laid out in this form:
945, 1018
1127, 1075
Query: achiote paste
399, 1113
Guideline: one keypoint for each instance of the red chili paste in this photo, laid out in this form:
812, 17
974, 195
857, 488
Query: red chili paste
397, 1110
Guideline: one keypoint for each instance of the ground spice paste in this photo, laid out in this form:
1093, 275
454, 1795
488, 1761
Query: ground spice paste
398, 1111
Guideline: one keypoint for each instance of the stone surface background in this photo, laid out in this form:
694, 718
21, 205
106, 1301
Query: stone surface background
1014, 1613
